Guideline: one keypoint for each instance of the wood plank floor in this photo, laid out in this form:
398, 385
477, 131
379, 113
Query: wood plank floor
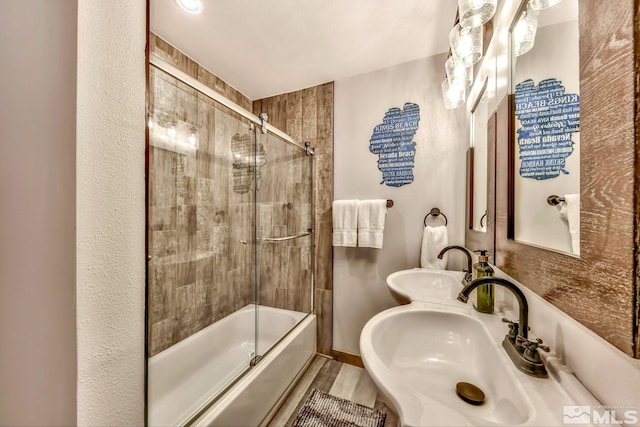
338, 379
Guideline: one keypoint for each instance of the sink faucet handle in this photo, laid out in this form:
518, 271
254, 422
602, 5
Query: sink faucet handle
512, 323
530, 348
513, 329
467, 277
544, 348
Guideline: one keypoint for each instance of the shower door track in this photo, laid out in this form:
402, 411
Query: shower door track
158, 62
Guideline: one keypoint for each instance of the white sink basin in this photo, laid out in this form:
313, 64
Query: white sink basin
421, 284
417, 353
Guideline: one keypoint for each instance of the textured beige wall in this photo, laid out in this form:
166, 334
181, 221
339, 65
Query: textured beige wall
37, 217
110, 211
359, 274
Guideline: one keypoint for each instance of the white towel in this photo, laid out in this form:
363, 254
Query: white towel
434, 239
371, 216
573, 217
345, 223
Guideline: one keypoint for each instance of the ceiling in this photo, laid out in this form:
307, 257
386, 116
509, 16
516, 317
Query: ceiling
269, 47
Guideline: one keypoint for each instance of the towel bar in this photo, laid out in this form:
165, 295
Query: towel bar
435, 212
282, 239
554, 200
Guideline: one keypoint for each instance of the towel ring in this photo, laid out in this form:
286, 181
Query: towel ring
435, 212
482, 219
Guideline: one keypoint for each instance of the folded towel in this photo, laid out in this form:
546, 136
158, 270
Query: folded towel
371, 216
434, 239
573, 217
345, 223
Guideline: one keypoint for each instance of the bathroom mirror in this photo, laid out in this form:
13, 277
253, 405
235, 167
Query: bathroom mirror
483, 159
546, 83
479, 118
599, 288
480, 202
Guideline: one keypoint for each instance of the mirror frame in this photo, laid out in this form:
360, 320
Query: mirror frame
600, 288
475, 240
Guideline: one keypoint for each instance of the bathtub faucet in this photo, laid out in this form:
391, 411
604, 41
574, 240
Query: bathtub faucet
467, 272
522, 351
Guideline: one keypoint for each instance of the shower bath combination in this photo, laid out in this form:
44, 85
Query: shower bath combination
230, 255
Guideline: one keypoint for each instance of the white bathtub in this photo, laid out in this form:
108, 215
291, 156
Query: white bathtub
184, 377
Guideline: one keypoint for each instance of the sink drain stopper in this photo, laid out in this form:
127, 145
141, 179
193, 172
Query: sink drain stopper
470, 393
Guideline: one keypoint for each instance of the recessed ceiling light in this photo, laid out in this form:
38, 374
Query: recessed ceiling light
191, 6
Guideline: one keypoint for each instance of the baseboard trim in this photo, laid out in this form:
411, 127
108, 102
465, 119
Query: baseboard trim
348, 358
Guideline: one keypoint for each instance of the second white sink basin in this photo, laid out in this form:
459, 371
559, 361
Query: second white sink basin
421, 284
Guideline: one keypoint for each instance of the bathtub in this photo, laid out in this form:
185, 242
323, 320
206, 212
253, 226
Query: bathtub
184, 378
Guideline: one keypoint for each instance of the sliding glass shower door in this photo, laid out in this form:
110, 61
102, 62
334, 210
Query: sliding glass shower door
201, 248
285, 230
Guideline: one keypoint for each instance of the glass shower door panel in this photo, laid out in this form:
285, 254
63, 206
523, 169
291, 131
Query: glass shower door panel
201, 239
285, 222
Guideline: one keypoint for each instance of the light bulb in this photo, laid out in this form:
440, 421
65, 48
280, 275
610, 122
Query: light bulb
191, 6
458, 73
171, 130
454, 96
192, 136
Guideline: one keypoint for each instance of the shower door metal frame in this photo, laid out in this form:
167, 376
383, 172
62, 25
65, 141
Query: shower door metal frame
158, 62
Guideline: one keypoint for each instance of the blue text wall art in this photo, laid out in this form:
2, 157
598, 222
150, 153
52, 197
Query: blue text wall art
392, 141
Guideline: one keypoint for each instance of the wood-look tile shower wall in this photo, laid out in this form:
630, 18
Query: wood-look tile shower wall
195, 279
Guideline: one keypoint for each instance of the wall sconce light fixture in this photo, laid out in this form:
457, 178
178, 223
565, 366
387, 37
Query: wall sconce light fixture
543, 4
453, 95
524, 33
458, 74
474, 13
466, 44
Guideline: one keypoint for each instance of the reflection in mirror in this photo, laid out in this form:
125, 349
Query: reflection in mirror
546, 83
479, 118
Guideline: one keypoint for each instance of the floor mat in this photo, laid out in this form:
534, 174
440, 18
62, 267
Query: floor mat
323, 410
